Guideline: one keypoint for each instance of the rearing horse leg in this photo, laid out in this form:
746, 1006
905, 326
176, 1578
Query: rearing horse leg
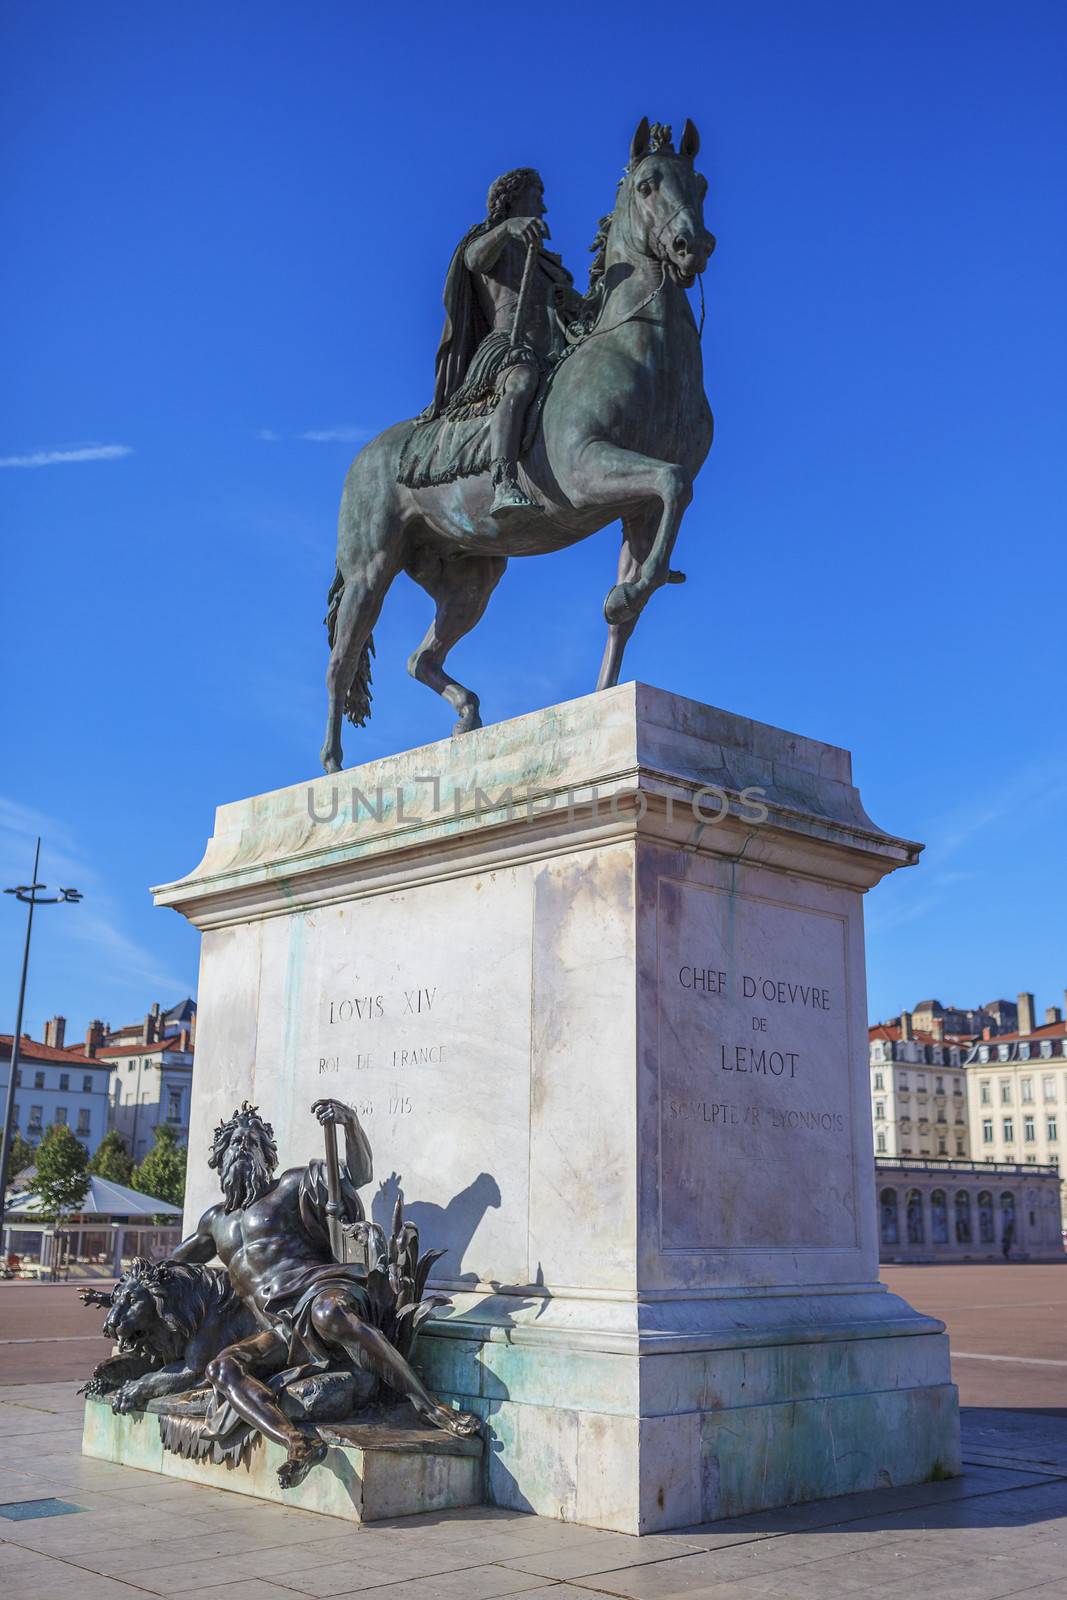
361, 602
611, 474
638, 531
461, 586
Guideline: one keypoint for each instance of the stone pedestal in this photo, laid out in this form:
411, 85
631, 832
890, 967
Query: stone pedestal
370, 1473
594, 980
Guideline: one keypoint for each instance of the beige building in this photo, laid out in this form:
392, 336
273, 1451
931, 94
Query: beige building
1017, 1091
918, 1092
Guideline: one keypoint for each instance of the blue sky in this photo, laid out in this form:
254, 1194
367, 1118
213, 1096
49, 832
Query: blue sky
226, 233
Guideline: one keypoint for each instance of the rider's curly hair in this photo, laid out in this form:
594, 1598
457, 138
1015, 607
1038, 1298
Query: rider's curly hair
504, 190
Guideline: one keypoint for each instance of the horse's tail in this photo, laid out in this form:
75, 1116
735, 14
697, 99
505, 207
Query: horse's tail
358, 698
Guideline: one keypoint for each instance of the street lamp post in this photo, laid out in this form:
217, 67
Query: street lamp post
31, 896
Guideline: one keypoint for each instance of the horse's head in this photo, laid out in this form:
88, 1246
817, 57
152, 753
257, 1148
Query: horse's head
663, 197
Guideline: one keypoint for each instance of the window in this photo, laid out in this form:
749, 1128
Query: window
920, 1080
61, 1116
957, 1086
1007, 1216
64, 1080
880, 1143
174, 1105
1050, 1129
1003, 1052
1048, 1087
879, 1080
1009, 1130
38, 1080
983, 1053
963, 1217
914, 1213
35, 1118
83, 1122
1005, 1091
87, 1083
1028, 1130
1027, 1090
879, 1110
985, 1092
942, 1148
959, 1147
987, 1130
938, 1217
1046, 1049
902, 1081
1024, 1052
888, 1210
985, 1217
132, 1067
939, 1085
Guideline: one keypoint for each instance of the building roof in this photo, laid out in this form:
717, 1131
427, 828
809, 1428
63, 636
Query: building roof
31, 1050
1048, 1030
140, 1049
184, 1011
104, 1199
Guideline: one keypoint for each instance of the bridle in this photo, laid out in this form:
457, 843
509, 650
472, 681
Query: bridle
643, 305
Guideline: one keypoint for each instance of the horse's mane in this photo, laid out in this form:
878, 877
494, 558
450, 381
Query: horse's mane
599, 248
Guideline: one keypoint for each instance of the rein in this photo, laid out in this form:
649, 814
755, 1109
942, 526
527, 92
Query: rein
643, 305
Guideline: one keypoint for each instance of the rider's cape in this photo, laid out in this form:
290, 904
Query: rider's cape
465, 326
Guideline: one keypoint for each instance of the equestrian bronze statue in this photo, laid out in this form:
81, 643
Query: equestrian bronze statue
553, 415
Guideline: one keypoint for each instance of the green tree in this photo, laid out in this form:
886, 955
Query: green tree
62, 1173
19, 1157
112, 1159
62, 1181
162, 1172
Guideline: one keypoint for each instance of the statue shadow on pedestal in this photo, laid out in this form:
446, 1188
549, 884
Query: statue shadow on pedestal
452, 1226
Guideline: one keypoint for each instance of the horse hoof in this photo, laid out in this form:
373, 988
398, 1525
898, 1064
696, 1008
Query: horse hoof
619, 605
675, 577
330, 762
469, 719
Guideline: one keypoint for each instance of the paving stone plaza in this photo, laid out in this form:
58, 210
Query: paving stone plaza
999, 1530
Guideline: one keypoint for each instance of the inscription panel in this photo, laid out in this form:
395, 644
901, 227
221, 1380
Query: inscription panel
414, 1008
754, 1076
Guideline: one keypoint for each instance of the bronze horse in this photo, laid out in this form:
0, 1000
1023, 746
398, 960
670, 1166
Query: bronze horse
624, 429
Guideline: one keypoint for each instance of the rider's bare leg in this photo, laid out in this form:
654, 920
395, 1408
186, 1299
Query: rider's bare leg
518, 386
230, 1372
337, 1320
461, 589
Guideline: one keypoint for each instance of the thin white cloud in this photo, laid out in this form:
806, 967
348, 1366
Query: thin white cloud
58, 458
344, 433
267, 435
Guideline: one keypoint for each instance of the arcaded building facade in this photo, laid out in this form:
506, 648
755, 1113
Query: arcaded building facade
930, 1210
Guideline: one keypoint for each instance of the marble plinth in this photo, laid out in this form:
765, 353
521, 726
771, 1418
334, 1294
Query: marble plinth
594, 980
371, 1472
